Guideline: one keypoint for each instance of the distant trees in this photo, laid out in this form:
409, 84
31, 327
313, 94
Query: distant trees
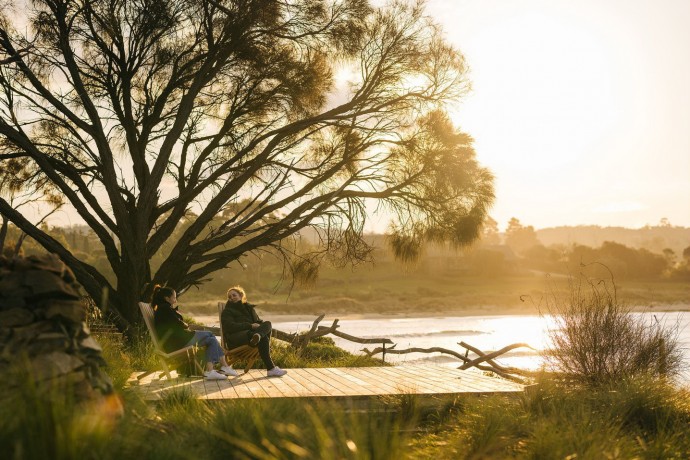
686, 254
623, 261
490, 233
519, 237
188, 133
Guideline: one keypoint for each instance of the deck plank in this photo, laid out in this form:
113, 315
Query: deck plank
330, 383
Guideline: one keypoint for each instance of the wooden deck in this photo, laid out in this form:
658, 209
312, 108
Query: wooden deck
349, 382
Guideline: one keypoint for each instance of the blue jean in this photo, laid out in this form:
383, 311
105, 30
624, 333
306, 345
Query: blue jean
206, 339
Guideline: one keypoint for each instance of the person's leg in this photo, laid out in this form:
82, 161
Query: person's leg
237, 339
264, 329
214, 353
264, 343
264, 346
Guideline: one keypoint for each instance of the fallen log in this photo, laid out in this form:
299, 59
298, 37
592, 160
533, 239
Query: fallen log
395, 351
392, 350
352, 338
489, 358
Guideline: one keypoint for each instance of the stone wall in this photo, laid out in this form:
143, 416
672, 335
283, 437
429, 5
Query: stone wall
43, 333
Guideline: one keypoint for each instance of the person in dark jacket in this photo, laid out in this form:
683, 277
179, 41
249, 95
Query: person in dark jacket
242, 326
174, 333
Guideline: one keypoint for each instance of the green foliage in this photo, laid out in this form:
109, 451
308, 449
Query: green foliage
231, 105
300, 429
635, 418
115, 351
321, 352
180, 426
45, 421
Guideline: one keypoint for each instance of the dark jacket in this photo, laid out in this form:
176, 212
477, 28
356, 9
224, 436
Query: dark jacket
173, 333
238, 317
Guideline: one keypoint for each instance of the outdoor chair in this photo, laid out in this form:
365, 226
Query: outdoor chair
171, 359
244, 353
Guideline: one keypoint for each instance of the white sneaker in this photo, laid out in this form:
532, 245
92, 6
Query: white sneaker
276, 372
214, 375
228, 370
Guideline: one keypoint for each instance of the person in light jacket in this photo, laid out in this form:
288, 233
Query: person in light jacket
242, 326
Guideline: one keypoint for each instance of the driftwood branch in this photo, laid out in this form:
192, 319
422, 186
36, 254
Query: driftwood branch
315, 324
352, 338
392, 350
489, 358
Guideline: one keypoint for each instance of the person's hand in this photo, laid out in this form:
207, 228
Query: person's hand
255, 325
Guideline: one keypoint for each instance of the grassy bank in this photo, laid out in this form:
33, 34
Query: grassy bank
641, 418
636, 418
415, 293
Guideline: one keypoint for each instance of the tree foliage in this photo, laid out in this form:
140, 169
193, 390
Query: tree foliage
192, 132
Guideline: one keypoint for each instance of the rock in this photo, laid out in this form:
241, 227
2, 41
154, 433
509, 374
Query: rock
16, 300
45, 284
15, 317
31, 331
10, 280
55, 364
48, 342
90, 343
72, 310
42, 318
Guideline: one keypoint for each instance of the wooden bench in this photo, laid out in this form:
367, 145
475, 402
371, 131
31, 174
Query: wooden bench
243, 353
166, 359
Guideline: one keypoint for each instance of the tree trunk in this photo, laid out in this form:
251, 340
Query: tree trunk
133, 286
3, 233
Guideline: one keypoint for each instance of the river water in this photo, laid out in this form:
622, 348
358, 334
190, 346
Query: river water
487, 333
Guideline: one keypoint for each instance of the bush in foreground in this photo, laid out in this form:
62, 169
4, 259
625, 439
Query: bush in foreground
596, 340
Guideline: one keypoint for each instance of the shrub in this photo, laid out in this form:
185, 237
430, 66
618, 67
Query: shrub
597, 340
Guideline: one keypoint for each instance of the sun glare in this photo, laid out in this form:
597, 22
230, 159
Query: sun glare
567, 96
570, 99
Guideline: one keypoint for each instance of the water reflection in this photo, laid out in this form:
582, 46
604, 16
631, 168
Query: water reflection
486, 333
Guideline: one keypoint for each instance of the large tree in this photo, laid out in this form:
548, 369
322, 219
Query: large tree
197, 131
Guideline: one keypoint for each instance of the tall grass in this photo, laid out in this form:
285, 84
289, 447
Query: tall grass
182, 427
49, 424
320, 352
638, 418
596, 340
633, 417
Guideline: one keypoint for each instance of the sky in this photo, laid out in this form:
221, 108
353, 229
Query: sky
581, 109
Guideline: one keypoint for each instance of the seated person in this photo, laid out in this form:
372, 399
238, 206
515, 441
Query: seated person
174, 333
242, 326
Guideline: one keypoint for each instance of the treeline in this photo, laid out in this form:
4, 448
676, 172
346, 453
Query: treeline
516, 252
520, 248
654, 238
